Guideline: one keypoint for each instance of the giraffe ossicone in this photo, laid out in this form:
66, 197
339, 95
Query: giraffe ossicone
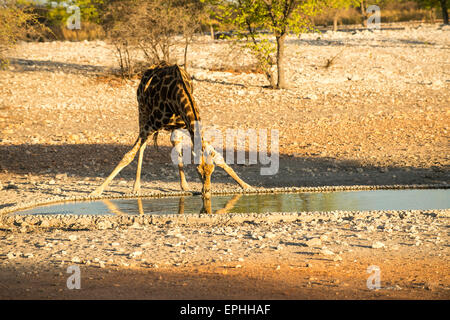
166, 103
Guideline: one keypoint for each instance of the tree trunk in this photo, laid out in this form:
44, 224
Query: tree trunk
363, 13
211, 28
335, 22
186, 45
444, 11
281, 81
270, 77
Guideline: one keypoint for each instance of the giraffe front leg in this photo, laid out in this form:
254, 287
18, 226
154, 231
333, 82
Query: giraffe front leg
206, 208
233, 174
177, 141
137, 182
219, 161
129, 156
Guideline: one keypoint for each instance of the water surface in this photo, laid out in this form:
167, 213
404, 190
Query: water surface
417, 199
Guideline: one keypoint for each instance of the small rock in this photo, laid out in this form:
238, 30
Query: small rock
314, 242
377, 245
45, 224
311, 96
23, 230
431, 286
61, 176
135, 254
136, 226
10, 255
103, 225
337, 258
76, 260
73, 237
146, 244
11, 186
269, 235
327, 252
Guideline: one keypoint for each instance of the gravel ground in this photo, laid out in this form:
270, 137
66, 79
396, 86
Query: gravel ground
316, 255
377, 116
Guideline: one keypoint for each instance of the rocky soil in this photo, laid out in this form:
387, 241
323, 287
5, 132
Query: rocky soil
377, 115
315, 256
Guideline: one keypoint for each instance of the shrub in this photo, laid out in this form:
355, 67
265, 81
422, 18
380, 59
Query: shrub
17, 22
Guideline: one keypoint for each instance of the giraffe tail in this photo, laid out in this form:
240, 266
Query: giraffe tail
155, 141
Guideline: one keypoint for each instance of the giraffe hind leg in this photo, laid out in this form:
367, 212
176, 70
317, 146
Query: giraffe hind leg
177, 141
129, 156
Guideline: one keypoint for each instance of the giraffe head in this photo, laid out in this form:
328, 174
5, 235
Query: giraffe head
205, 170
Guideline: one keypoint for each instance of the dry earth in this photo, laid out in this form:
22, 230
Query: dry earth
378, 115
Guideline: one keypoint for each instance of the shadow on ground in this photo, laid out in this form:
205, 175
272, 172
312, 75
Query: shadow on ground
22, 65
216, 282
96, 160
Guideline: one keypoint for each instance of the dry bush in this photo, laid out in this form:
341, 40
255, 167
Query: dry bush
118, 32
16, 23
152, 28
88, 31
405, 11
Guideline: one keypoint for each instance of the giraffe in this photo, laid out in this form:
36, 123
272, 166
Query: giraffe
166, 103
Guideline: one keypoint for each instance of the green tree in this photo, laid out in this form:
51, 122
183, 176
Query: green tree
57, 11
278, 17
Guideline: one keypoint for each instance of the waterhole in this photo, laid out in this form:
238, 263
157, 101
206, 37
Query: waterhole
419, 199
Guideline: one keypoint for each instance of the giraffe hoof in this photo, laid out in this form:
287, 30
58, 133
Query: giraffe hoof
96, 193
184, 186
247, 187
137, 188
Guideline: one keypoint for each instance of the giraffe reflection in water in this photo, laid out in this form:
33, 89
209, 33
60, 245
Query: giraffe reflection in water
206, 206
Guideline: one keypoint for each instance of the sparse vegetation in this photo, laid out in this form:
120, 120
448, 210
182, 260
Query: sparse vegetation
278, 17
152, 28
335, 7
16, 22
